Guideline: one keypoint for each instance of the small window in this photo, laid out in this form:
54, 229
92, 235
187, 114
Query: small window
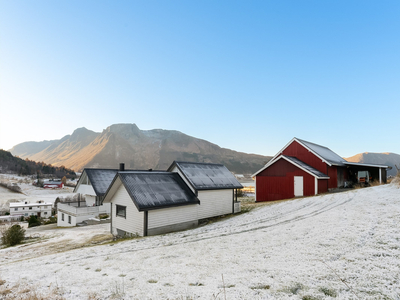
69, 219
62, 217
23, 208
121, 211
30, 207
45, 212
26, 214
15, 209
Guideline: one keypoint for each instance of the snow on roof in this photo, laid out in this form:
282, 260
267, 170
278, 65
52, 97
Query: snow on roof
153, 190
101, 179
207, 176
326, 153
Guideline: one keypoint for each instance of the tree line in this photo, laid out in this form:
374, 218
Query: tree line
13, 164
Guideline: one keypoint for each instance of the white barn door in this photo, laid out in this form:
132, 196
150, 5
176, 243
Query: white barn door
298, 186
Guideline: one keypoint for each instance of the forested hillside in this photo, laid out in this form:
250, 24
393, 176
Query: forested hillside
12, 164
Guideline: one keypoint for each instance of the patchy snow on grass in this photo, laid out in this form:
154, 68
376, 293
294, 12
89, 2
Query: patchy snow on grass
29, 192
344, 245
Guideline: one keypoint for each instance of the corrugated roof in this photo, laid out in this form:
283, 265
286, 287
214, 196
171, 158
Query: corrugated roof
153, 190
206, 176
101, 179
305, 166
325, 153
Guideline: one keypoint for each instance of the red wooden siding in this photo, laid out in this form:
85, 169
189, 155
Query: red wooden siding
333, 177
297, 150
277, 182
322, 186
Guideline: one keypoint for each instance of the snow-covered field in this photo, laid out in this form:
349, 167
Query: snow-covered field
344, 245
29, 191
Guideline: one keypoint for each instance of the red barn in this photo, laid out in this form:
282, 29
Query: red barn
302, 168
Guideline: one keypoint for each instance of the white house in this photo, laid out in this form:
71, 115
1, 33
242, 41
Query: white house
153, 202
213, 184
92, 184
148, 203
26, 209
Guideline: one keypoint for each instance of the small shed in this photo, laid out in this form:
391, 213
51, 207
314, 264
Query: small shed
149, 203
213, 184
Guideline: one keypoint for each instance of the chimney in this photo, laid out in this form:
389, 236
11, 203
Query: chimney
122, 167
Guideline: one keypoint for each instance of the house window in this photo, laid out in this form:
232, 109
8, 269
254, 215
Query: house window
26, 214
121, 211
45, 212
15, 209
62, 217
30, 207
69, 219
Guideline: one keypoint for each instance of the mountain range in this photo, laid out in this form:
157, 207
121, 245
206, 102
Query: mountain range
387, 159
138, 149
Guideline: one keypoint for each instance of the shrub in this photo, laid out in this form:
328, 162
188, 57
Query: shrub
103, 216
51, 220
33, 221
13, 235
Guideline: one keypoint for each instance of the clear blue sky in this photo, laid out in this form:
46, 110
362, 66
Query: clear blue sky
246, 75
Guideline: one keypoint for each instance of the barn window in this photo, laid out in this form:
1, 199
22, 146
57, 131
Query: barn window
121, 211
62, 217
69, 219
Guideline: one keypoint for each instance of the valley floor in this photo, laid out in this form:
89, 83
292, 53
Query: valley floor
344, 245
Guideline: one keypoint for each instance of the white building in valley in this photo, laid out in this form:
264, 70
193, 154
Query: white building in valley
41, 209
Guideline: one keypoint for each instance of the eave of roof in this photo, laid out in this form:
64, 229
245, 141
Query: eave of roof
365, 165
301, 165
189, 197
304, 144
232, 184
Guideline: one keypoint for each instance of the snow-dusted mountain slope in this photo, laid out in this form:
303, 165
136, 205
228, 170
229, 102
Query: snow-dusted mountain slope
343, 244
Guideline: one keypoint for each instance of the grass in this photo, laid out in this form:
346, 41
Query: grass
328, 292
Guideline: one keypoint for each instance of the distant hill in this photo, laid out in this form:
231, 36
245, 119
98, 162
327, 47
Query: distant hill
138, 149
388, 159
12, 164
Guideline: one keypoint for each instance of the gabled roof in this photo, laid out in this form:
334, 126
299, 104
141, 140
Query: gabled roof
206, 176
100, 179
324, 153
302, 165
154, 190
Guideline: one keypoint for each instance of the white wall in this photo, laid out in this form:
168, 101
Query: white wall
214, 203
133, 223
85, 189
173, 215
65, 223
90, 200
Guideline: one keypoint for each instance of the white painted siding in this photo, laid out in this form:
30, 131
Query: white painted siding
176, 170
90, 200
214, 203
133, 223
173, 215
65, 222
85, 189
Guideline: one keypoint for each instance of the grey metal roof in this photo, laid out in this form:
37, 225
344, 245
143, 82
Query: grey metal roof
305, 166
325, 153
206, 176
101, 179
154, 190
